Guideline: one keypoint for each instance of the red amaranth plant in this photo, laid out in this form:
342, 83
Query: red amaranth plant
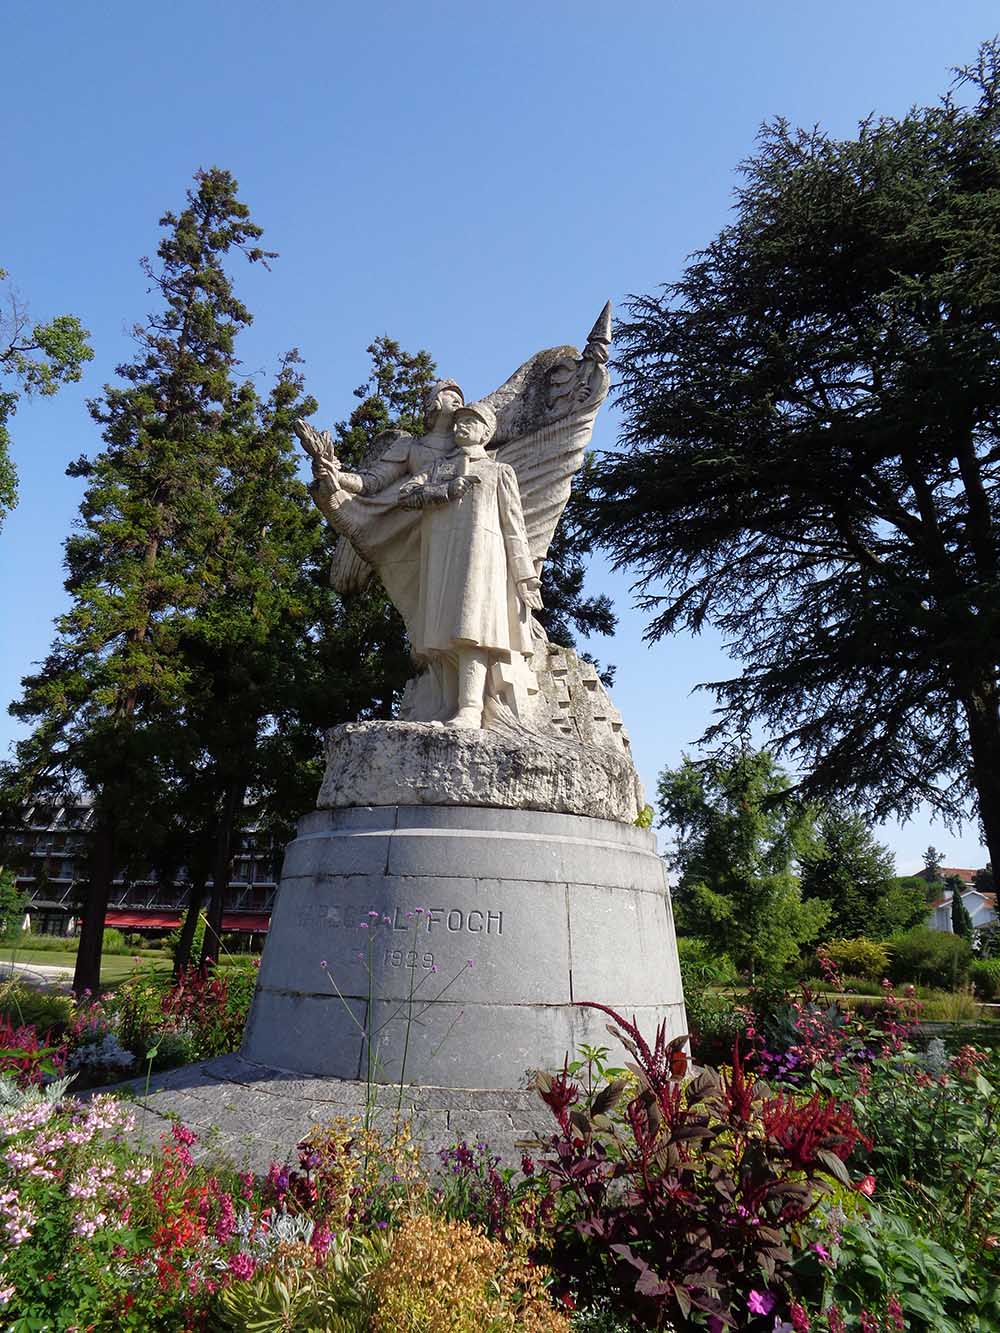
691, 1198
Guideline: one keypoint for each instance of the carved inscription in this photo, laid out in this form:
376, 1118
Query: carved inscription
429, 920
408, 958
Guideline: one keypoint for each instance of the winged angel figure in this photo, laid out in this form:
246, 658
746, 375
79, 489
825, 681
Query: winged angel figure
458, 532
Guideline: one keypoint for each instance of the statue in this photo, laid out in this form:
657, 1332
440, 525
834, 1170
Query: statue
459, 535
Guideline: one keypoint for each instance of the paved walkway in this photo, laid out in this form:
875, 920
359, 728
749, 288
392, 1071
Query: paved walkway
42, 975
251, 1115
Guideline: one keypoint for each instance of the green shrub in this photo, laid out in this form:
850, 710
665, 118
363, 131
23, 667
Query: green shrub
43, 1010
172, 942
46, 943
930, 957
861, 986
702, 963
985, 977
860, 957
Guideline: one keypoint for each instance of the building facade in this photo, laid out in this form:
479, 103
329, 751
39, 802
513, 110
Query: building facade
51, 850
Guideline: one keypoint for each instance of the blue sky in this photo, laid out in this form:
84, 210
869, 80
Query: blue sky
471, 178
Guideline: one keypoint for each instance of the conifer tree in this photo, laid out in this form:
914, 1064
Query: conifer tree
852, 872
961, 921
810, 458
738, 833
149, 524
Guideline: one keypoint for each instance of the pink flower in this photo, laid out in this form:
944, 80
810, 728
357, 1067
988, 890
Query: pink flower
822, 1251
242, 1266
835, 1320
324, 964
800, 1320
866, 1186
760, 1302
895, 1313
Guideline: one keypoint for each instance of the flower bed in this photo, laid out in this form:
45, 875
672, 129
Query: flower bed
151, 1022
848, 1189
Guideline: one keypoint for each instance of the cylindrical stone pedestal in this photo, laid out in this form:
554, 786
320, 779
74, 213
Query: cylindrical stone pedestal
452, 944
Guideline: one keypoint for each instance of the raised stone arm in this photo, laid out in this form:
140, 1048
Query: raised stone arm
328, 476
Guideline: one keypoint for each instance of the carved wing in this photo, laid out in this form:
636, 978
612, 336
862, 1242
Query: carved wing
545, 418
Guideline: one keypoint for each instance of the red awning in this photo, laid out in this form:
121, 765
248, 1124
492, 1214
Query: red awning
136, 920
246, 921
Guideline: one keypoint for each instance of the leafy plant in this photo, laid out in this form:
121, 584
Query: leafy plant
688, 1200
984, 973
296, 1291
930, 957
860, 957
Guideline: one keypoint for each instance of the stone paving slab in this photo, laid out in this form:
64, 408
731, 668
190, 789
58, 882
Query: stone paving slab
252, 1115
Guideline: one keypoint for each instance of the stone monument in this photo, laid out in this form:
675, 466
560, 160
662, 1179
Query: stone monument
474, 870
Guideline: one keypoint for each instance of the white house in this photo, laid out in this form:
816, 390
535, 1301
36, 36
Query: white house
982, 907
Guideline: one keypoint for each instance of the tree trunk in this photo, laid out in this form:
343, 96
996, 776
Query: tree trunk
983, 718
231, 803
195, 896
87, 976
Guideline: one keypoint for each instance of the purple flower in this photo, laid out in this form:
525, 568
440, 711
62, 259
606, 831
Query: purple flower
374, 914
469, 963
362, 925
760, 1302
324, 964
822, 1251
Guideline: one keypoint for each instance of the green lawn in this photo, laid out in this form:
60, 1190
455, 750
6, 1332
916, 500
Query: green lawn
114, 967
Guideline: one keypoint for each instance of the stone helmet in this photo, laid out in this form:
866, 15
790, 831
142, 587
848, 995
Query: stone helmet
485, 414
430, 396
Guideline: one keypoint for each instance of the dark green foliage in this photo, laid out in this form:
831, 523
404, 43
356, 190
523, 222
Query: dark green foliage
739, 831
930, 891
984, 973
932, 865
855, 874
961, 921
33, 359
105, 702
811, 455
712, 1014
12, 900
984, 880
930, 958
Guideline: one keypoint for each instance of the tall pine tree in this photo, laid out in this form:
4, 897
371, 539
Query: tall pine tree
149, 525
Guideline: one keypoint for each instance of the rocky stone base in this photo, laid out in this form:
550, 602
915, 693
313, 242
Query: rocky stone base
423, 763
250, 1115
